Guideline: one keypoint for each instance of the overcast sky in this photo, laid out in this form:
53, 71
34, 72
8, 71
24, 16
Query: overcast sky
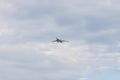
27, 28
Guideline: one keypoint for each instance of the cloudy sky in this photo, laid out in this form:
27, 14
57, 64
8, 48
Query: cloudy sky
27, 28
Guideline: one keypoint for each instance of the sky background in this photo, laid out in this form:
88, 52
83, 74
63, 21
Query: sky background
27, 28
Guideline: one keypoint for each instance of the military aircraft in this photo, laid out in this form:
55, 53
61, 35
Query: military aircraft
59, 40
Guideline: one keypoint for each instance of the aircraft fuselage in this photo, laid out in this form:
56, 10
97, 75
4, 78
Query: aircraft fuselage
59, 40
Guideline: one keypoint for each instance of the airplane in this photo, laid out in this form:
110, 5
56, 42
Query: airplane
59, 40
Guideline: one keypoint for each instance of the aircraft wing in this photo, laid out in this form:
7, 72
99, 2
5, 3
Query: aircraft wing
54, 41
65, 41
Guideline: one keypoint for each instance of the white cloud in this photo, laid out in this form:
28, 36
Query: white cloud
24, 25
70, 55
83, 79
6, 6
